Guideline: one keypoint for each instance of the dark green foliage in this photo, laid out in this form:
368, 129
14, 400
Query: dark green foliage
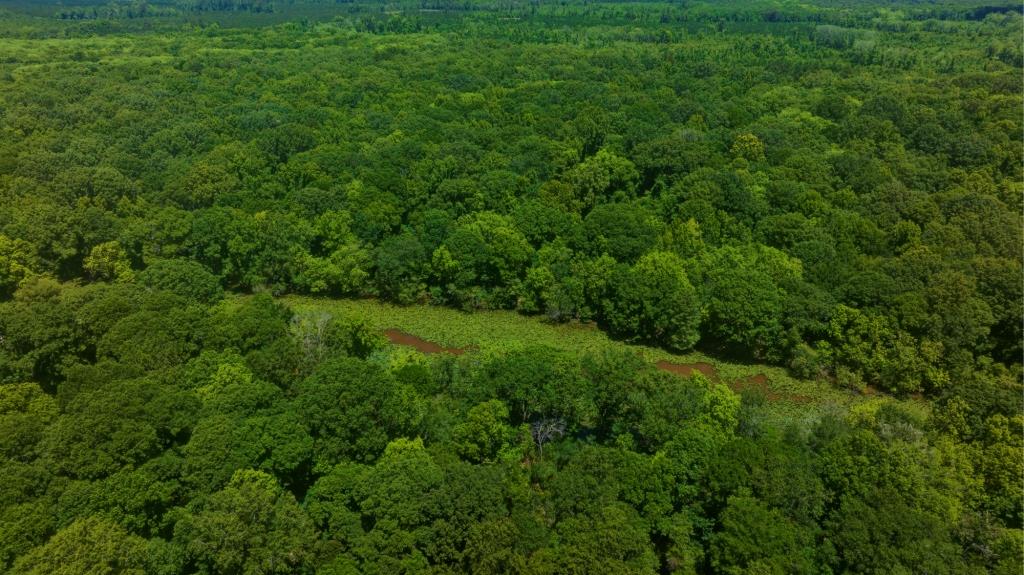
894, 190
182, 277
830, 187
745, 303
352, 409
623, 231
250, 526
401, 263
246, 325
538, 383
754, 538
653, 301
378, 462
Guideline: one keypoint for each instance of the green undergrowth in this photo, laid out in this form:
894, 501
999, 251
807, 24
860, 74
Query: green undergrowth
788, 399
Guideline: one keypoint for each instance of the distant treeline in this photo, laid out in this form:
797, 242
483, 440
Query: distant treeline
142, 9
866, 14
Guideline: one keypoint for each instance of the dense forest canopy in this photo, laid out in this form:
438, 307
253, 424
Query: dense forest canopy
832, 188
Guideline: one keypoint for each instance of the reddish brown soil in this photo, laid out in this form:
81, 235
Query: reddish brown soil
399, 337
760, 382
687, 369
759, 379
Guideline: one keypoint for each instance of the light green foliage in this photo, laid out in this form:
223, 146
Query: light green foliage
484, 433
232, 389
884, 354
487, 250
25, 411
108, 261
16, 263
401, 486
251, 526
1000, 466
599, 177
89, 545
682, 238
659, 214
721, 405
343, 272
748, 147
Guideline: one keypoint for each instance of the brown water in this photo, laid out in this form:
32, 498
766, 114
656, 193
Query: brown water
399, 337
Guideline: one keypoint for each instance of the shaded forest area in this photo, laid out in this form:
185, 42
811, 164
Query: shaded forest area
834, 188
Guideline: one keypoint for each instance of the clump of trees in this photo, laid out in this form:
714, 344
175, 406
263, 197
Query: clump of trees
260, 440
866, 230
832, 189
